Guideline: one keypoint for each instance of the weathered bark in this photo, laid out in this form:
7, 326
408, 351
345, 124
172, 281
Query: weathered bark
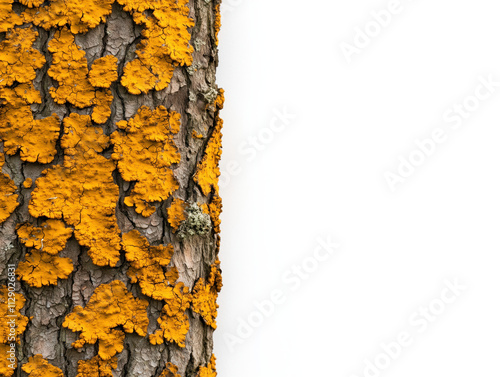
193, 94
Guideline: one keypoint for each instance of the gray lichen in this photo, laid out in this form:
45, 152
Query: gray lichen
198, 43
210, 94
197, 223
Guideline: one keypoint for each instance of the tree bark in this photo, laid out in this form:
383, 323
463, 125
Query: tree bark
99, 183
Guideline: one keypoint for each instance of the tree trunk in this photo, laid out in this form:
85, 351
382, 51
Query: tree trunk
109, 210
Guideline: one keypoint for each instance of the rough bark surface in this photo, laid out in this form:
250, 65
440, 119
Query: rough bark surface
192, 93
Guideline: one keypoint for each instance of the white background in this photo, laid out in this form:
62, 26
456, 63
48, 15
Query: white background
322, 175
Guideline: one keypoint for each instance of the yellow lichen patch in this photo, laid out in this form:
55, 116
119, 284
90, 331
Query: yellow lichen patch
110, 305
76, 84
196, 135
217, 23
204, 296
137, 78
145, 153
11, 304
170, 371
171, 28
219, 100
35, 138
209, 370
44, 269
50, 237
208, 172
102, 110
86, 197
81, 138
32, 3
82, 191
147, 264
214, 209
176, 214
7, 367
104, 72
22, 94
69, 69
111, 343
79, 15
153, 70
37, 366
174, 323
18, 59
8, 197
13, 327
28, 182
8, 18
97, 367
165, 44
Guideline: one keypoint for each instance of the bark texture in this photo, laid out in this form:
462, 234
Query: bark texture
109, 189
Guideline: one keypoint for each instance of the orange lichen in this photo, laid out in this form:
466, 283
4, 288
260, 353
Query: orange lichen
204, 296
169, 29
174, 323
44, 269
36, 139
13, 327
79, 15
7, 367
82, 139
219, 101
165, 43
8, 196
147, 264
28, 182
8, 18
18, 59
208, 172
170, 371
37, 366
18, 63
145, 153
102, 110
209, 370
217, 23
97, 367
82, 191
22, 94
110, 305
11, 304
32, 3
148, 267
176, 214
137, 78
76, 84
196, 135
214, 209
104, 72
69, 69
50, 237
